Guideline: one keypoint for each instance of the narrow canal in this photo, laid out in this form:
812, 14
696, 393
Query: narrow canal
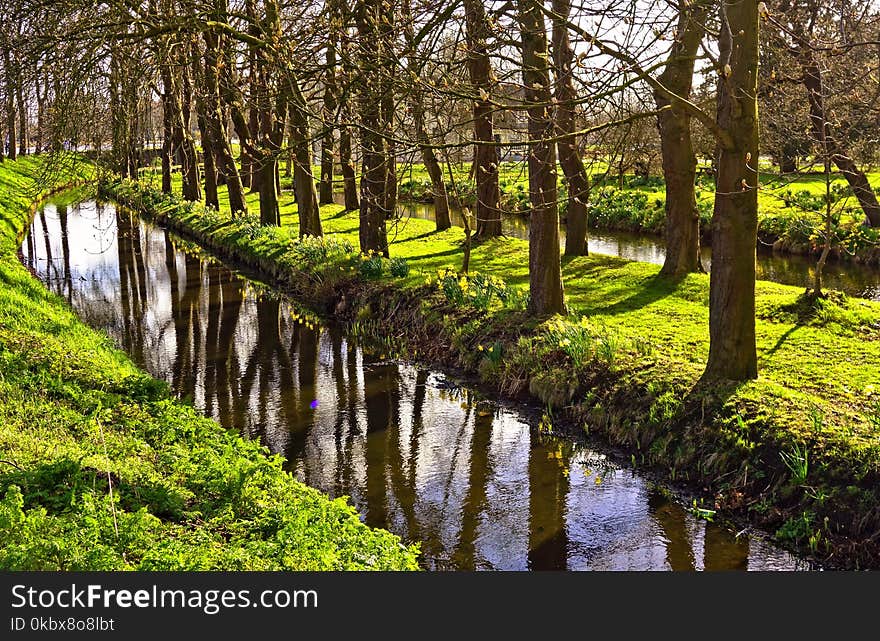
474, 481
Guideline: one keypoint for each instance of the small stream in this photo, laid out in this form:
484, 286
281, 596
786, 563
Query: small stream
862, 281
417, 454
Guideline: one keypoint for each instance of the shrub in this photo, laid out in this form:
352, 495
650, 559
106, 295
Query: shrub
398, 267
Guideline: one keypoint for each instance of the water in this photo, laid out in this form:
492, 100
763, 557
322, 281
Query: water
855, 280
472, 480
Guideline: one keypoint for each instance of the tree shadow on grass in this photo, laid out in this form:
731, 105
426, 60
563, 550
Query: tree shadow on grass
426, 234
804, 309
448, 252
651, 290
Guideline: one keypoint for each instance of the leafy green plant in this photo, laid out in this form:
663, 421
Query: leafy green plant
798, 462
371, 266
608, 347
398, 267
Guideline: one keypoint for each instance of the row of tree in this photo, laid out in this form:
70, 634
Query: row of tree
244, 84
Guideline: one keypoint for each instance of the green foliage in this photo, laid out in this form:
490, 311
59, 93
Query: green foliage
797, 461
311, 252
477, 290
398, 267
370, 266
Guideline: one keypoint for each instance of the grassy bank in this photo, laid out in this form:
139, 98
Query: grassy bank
790, 212
101, 469
796, 452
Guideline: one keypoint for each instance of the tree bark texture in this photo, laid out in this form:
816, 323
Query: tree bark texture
732, 349
679, 160
566, 125
486, 210
545, 270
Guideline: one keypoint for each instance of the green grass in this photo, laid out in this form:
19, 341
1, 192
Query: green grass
636, 346
790, 208
183, 494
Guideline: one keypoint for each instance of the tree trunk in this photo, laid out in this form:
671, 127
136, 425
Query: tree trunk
22, 111
486, 153
545, 271
569, 154
349, 180
183, 142
304, 182
210, 168
167, 140
679, 160
216, 122
429, 159
346, 161
208, 154
12, 138
732, 349
823, 133
372, 232
389, 70
331, 103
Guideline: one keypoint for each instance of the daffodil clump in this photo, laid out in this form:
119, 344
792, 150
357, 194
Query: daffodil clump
577, 339
482, 291
582, 340
310, 252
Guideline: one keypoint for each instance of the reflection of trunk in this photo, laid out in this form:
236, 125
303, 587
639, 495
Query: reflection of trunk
123, 252
226, 354
382, 402
479, 475
212, 331
545, 271
679, 161
352, 414
404, 491
732, 349
50, 264
548, 491
566, 125
485, 153
304, 345
721, 551
342, 408
671, 519
132, 275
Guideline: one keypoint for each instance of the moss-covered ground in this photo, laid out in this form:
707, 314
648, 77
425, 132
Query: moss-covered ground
101, 469
796, 451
